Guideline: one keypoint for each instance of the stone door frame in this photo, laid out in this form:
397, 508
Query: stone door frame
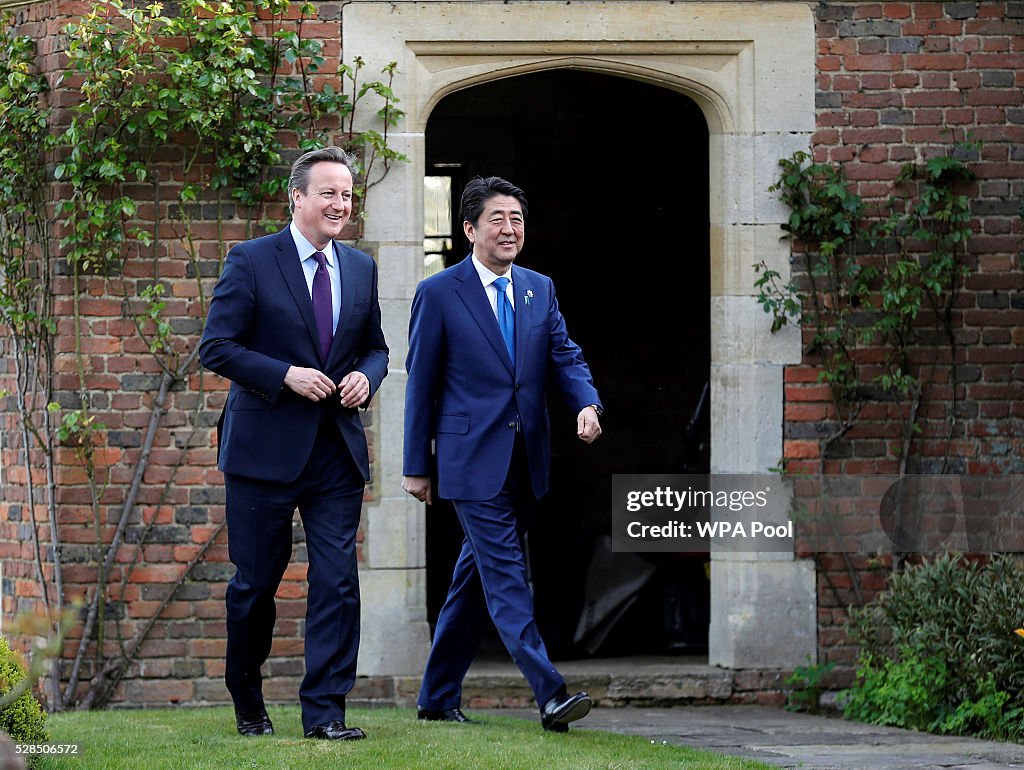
750, 68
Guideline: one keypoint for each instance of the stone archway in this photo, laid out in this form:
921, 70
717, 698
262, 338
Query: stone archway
750, 67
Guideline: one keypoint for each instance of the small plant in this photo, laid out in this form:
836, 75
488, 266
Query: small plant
990, 716
23, 719
806, 683
905, 691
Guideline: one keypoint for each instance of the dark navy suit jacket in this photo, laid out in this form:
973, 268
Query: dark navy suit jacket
464, 393
260, 323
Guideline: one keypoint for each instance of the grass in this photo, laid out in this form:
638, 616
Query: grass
183, 738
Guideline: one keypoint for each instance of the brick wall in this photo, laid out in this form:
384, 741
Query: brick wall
891, 77
181, 501
892, 80
19, 588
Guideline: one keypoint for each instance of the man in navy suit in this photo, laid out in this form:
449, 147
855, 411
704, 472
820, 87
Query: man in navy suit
484, 338
295, 325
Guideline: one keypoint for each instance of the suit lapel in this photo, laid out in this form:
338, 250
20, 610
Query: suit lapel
524, 313
474, 297
348, 295
291, 270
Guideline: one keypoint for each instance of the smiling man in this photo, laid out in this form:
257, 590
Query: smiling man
483, 339
295, 325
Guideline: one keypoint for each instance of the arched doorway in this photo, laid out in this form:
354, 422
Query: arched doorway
616, 172
751, 68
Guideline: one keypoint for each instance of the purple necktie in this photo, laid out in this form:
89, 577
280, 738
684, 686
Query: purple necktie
322, 307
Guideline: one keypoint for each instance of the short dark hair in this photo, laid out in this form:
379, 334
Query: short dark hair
299, 178
480, 190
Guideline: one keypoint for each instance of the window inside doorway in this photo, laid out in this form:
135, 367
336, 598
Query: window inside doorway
437, 223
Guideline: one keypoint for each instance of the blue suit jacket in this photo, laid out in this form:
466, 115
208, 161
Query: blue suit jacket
463, 391
260, 323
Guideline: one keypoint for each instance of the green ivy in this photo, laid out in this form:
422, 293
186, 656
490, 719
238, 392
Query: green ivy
26, 300
24, 138
229, 98
869, 271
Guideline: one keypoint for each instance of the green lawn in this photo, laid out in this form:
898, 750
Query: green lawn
206, 738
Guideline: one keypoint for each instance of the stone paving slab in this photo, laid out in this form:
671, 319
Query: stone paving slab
785, 739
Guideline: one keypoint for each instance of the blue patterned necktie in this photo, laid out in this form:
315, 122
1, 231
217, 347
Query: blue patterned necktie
506, 318
323, 309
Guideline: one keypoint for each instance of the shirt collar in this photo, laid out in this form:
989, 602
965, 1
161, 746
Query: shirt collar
306, 249
487, 277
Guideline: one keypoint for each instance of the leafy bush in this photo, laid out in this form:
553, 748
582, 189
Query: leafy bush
905, 691
939, 653
23, 719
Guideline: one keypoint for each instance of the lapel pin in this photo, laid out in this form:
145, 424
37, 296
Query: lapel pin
529, 296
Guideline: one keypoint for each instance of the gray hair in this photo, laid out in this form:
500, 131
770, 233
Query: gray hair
299, 178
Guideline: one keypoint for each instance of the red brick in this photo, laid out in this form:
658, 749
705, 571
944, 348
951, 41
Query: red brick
937, 61
159, 691
990, 61
896, 10
927, 10
207, 648
801, 450
862, 118
801, 374
875, 62
1009, 27
934, 99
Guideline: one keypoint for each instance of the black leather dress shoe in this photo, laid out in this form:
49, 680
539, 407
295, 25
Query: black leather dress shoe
254, 723
336, 731
443, 715
563, 709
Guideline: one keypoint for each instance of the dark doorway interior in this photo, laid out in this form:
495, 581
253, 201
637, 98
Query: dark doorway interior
616, 173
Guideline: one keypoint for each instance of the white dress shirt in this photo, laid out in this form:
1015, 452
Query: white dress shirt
487, 278
309, 266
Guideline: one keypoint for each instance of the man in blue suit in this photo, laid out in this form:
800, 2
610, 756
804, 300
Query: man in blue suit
484, 338
295, 325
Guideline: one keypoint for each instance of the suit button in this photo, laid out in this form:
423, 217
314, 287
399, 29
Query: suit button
517, 387
512, 425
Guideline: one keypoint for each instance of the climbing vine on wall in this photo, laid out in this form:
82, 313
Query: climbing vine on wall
873, 281
873, 288
190, 111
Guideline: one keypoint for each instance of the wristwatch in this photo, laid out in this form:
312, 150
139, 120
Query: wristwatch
596, 408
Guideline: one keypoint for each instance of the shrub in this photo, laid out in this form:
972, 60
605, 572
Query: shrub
938, 650
23, 719
905, 691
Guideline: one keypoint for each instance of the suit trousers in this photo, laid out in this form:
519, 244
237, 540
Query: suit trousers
328, 494
490, 578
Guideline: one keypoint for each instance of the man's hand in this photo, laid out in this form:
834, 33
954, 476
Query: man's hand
309, 383
354, 389
418, 487
588, 426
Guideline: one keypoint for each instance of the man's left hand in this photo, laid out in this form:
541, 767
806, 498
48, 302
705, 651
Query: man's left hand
588, 425
354, 389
